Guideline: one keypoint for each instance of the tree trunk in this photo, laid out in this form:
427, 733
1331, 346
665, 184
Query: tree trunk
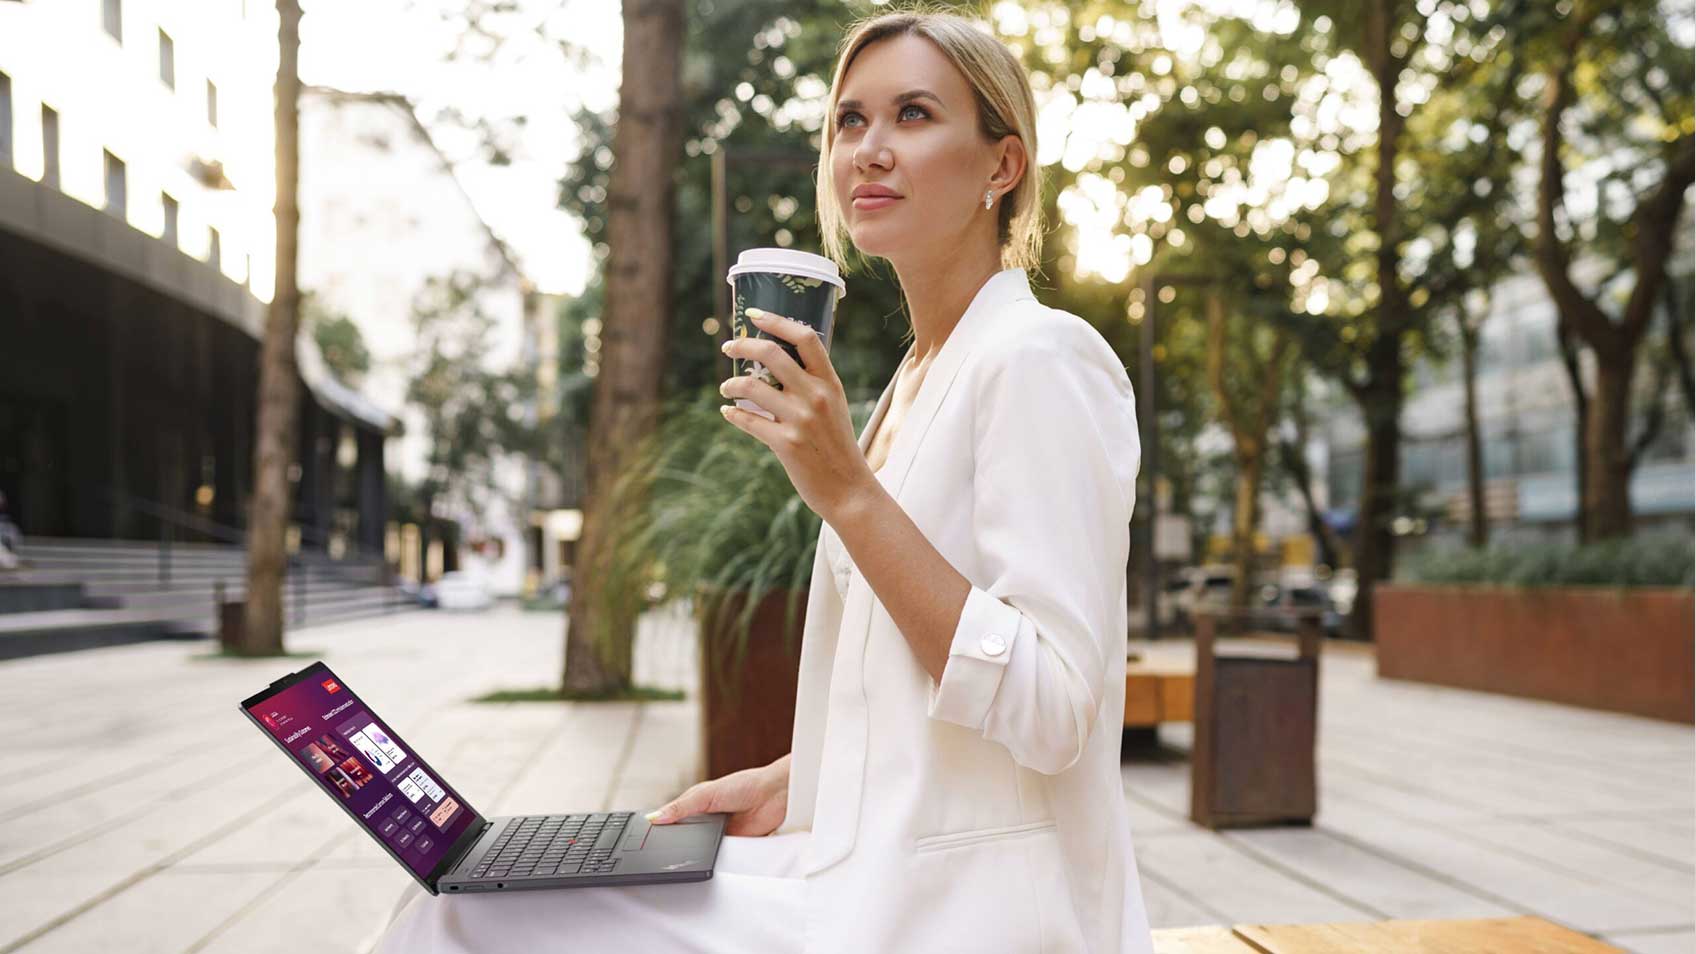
646, 151
1374, 543
1380, 394
1580, 423
1478, 527
1680, 348
1245, 519
1294, 460
1607, 501
267, 524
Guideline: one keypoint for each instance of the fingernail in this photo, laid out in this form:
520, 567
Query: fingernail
654, 814
725, 347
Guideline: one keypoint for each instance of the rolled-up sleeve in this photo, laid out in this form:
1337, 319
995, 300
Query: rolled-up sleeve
1056, 456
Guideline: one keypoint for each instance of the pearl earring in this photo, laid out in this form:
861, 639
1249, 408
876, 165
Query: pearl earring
988, 197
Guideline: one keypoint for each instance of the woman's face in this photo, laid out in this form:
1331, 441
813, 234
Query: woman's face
907, 125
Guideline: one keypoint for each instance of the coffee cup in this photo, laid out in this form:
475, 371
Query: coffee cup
787, 282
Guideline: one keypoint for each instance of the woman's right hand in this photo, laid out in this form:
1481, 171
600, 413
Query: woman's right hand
756, 799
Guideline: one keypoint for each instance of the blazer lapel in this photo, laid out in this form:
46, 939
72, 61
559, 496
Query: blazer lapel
818, 659
1002, 288
836, 817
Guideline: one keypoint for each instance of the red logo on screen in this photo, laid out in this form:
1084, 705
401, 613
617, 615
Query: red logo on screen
266, 718
331, 686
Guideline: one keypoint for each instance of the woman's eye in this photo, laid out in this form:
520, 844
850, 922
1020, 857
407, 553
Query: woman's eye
842, 120
917, 109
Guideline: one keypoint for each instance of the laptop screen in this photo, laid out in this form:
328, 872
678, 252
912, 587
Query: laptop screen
362, 763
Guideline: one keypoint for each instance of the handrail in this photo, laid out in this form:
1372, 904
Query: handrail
193, 521
171, 518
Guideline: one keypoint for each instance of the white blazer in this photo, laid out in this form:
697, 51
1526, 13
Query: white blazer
987, 812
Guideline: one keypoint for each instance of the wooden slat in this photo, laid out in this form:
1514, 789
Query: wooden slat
1199, 940
1142, 700
1177, 698
1522, 935
1158, 694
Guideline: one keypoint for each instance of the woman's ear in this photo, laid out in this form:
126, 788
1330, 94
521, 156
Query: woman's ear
1010, 165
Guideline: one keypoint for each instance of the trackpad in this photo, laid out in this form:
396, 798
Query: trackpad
675, 837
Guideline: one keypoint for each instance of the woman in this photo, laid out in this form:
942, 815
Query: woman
954, 782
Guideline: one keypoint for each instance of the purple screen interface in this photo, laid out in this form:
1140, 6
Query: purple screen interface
363, 764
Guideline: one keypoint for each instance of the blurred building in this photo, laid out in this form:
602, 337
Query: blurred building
383, 215
136, 258
1528, 426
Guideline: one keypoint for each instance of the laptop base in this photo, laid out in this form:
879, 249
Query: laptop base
586, 850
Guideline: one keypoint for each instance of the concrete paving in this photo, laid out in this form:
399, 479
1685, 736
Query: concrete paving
142, 813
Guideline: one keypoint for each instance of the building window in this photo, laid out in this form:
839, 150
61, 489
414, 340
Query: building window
211, 104
49, 146
167, 60
116, 197
113, 18
5, 120
170, 205
215, 253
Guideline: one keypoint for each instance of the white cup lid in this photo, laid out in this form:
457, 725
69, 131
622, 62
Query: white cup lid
790, 262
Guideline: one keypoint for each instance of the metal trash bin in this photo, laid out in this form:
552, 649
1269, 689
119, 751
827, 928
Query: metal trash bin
1256, 725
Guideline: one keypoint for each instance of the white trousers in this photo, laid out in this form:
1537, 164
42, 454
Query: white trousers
753, 903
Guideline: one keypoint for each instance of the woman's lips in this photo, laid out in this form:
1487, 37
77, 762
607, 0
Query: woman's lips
869, 202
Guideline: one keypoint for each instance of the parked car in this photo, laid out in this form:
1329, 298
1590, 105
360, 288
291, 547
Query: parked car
1202, 587
420, 593
1299, 595
461, 591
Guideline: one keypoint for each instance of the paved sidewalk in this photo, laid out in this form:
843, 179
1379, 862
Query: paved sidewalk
1443, 803
141, 813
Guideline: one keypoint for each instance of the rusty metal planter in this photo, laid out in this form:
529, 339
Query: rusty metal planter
1620, 649
748, 693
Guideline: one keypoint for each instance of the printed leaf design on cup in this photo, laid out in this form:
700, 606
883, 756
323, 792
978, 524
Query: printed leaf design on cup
799, 285
759, 372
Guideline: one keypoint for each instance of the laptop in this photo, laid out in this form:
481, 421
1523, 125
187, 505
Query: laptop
436, 835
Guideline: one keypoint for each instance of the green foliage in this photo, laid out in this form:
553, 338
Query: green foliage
754, 74
720, 523
1657, 560
339, 341
475, 413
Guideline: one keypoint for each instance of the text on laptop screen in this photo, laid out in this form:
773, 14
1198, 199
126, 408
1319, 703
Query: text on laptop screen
361, 761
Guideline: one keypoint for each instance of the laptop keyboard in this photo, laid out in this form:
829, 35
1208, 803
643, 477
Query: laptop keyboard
552, 845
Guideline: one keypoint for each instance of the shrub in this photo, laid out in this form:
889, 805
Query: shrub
708, 513
1655, 560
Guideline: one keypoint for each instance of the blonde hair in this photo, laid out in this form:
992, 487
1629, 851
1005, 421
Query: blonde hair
1005, 107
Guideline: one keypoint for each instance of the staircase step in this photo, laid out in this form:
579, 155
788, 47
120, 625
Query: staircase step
57, 631
79, 594
31, 596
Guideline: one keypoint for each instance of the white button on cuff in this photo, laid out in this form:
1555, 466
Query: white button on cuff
992, 645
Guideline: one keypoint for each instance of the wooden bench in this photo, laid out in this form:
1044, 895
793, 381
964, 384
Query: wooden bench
1522, 935
1156, 694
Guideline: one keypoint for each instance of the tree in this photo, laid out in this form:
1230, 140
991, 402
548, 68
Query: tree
339, 341
1293, 443
1247, 400
635, 328
473, 411
274, 445
1627, 103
